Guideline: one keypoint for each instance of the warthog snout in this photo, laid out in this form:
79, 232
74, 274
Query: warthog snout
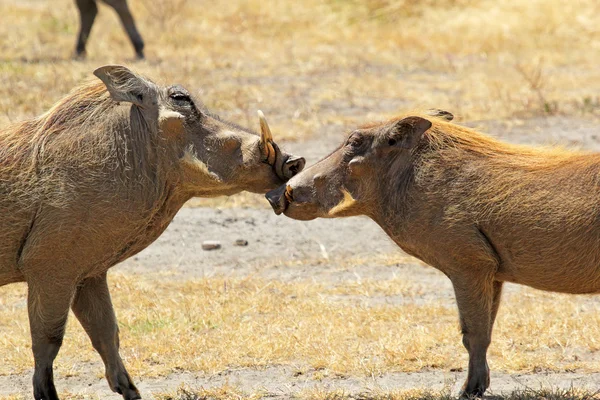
278, 198
285, 195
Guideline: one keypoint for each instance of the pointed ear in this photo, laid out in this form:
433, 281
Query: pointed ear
407, 132
442, 114
125, 85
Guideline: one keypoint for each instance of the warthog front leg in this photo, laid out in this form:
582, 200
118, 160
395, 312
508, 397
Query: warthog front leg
93, 308
128, 22
48, 307
478, 301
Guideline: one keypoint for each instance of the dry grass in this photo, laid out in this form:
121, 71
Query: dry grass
64, 395
231, 393
228, 392
215, 324
314, 66
315, 63
530, 394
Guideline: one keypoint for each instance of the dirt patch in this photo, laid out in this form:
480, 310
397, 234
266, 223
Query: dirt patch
286, 382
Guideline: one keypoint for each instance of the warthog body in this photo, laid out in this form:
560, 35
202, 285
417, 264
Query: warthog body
88, 9
98, 178
481, 211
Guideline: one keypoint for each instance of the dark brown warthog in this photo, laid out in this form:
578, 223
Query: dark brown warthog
481, 211
98, 178
88, 9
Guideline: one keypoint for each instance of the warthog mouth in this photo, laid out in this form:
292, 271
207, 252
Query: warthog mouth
280, 198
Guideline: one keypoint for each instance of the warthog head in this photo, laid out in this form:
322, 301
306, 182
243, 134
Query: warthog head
210, 157
348, 181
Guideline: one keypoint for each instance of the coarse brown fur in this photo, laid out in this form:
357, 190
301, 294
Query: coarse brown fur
98, 178
482, 211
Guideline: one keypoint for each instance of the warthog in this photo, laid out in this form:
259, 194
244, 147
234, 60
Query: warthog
87, 14
481, 211
98, 178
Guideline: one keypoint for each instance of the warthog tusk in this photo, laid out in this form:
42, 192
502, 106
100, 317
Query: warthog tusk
289, 194
347, 202
265, 131
266, 139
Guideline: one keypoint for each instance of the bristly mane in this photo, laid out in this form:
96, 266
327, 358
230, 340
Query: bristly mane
73, 116
486, 179
86, 130
448, 135
81, 107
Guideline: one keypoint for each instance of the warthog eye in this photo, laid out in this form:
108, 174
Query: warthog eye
180, 97
355, 141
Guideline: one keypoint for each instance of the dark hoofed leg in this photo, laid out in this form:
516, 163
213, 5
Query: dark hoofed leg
48, 309
93, 308
128, 22
478, 299
45, 352
87, 14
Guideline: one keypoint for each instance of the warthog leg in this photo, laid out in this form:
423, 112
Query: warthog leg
93, 308
87, 14
128, 22
48, 307
478, 298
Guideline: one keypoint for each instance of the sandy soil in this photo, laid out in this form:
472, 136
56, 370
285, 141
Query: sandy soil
284, 382
277, 241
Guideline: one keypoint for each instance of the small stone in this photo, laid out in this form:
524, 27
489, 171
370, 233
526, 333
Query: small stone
211, 245
241, 242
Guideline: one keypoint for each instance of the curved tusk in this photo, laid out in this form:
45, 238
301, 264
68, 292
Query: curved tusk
265, 131
266, 139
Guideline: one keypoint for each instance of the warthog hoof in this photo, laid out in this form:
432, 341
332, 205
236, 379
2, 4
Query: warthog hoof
475, 387
130, 393
122, 384
79, 55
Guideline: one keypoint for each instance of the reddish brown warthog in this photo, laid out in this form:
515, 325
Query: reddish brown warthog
98, 178
481, 211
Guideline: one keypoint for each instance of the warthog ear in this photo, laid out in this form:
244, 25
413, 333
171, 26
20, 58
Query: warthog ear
407, 132
442, 114
124, 85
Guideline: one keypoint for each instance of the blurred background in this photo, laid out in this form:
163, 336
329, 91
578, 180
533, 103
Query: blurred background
317, 65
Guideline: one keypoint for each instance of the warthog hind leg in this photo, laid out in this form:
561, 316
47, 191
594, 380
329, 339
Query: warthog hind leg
93, 308
122, 9
478, 301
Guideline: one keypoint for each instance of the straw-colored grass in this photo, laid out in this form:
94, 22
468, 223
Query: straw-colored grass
313, 62
229, 393
214, 324
314, 66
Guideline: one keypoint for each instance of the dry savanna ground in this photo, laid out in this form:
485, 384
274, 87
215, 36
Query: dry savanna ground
316, 68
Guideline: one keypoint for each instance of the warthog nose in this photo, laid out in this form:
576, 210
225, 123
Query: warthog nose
292, 166
279, 198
